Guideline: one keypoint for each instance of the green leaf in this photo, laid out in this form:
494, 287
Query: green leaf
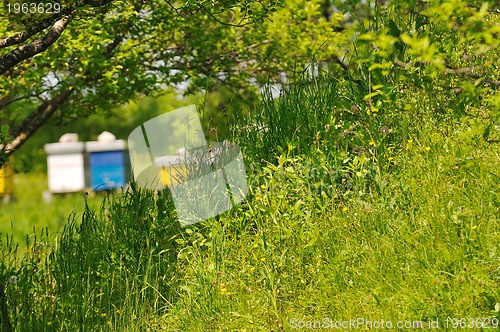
487, 131
393, 29
373, 94
406, 39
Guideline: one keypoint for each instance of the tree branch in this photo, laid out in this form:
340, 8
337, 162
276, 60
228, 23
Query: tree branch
44, 24
31, 31
36, 119
239, 24
9, 99
37, 46
43, 112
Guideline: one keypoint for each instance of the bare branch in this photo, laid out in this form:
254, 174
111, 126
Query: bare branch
175, 9
240, 23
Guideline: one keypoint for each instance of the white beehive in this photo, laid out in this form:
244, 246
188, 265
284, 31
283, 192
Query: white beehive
65, 165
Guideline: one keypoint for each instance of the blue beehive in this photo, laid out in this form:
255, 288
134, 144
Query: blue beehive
108, 163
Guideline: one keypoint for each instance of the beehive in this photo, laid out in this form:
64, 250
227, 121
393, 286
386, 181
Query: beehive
7, 179
108, 164
173, 170
65, 166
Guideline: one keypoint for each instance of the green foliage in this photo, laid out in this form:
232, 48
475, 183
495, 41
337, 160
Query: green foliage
440, 45
373, 192
112, 54
134, 254
408, 226
4, 139
217, 111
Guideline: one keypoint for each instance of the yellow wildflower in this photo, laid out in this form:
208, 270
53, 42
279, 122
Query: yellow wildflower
409, 144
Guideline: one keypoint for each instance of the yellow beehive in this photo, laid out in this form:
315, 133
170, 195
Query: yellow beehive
173, 171
7, 179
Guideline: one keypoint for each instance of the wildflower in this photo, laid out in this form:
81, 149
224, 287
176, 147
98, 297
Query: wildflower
13, 280
474, 227
427, 148
263, 259
409, 144
223, 290
372, 143
252, 269
390, 158
103, 314
384, 130
255, 245
49, 323
263, 186
344, 209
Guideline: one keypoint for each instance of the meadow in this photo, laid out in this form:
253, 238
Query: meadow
356, 219
28, 213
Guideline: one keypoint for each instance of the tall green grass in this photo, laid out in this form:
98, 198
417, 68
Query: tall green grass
350, 215
28, 213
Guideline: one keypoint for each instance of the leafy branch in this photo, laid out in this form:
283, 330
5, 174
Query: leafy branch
467, 72
37, 46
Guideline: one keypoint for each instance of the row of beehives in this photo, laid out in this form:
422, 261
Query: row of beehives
75, 166
104, 164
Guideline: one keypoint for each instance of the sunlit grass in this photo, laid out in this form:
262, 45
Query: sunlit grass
392, 218
28, 211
